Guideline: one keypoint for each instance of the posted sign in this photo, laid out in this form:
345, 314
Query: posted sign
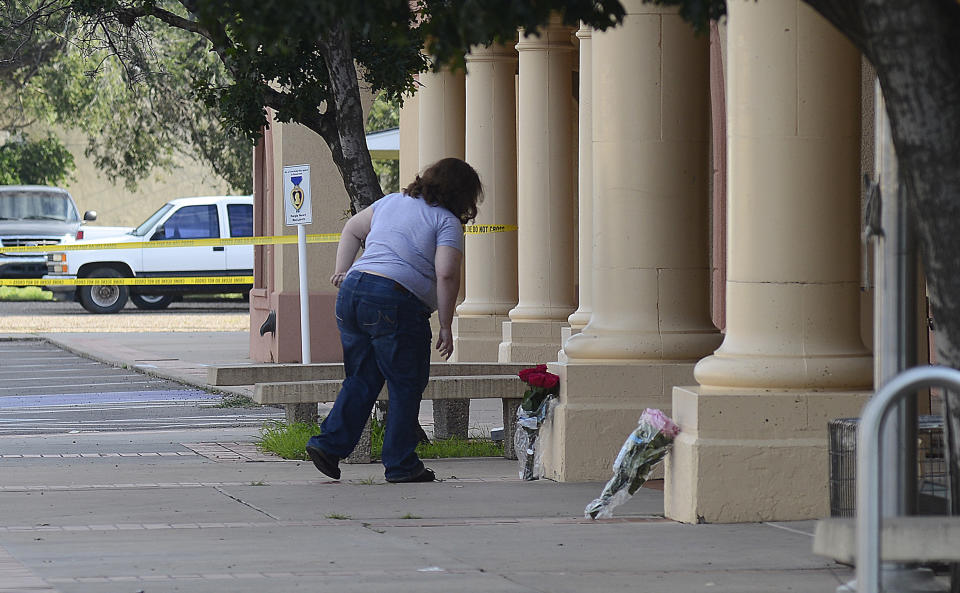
297, 207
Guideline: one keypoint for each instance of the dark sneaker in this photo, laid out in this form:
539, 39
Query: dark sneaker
426, 475
327, 464
422, 437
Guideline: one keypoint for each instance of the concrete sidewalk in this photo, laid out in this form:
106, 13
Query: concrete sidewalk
202, 511
191, 512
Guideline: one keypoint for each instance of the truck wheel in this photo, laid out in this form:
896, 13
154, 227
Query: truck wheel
151, 302
104, 298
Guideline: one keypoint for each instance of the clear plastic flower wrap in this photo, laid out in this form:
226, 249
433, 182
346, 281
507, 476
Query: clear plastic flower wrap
542, 388
526, 438
646, 446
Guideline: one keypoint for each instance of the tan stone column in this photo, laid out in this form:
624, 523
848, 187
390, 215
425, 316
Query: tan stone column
651, 315
545, 198
409, 139
491, 147
754, 440
441, 135
440, 121
441, 130
440, 116
579, 318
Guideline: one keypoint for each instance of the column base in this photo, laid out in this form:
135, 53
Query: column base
599, 407
530, 341
565, 334
477, 338
727, 371
579, 319
752, 456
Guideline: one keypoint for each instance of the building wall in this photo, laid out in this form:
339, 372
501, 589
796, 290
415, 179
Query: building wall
754, 413
277, 287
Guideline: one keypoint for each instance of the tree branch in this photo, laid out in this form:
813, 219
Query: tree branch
221, 41
180, 23
219, 38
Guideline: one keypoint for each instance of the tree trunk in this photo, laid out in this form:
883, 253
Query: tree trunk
345, 134
916, 52
341, 127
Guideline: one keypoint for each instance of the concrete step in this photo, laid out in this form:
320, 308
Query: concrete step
249, 374
439, 387
904, 539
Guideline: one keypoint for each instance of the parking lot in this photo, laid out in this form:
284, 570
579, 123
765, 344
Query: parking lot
188, 315
45, 389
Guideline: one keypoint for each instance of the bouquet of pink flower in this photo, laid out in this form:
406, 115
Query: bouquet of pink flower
646, 446
542, 387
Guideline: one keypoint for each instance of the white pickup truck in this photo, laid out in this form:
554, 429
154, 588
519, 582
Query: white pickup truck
183, 218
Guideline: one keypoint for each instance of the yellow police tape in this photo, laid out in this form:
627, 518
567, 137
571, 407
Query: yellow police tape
473, 229
274, 240
178, 281
480, 229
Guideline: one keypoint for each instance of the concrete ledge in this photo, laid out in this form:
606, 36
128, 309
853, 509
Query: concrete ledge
904, 539
249, 374
439, 388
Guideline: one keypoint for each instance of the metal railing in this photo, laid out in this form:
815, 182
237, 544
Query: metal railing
869, 464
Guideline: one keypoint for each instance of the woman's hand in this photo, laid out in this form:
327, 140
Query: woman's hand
445, 342
337, 279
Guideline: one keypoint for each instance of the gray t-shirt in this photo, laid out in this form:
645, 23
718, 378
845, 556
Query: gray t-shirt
402, 243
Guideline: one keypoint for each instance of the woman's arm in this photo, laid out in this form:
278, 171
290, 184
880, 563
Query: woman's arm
354, 232
447, 264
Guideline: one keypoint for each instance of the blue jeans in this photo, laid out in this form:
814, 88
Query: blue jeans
385, 333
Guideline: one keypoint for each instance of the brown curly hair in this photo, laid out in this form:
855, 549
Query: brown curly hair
450, 183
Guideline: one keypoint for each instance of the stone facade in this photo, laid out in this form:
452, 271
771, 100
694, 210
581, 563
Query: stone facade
599, 147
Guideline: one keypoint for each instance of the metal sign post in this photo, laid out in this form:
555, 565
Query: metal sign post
298, 211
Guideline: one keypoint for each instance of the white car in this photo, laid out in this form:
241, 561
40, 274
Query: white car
183, 218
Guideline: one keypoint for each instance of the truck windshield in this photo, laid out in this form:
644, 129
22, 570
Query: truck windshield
37, 205
151, 222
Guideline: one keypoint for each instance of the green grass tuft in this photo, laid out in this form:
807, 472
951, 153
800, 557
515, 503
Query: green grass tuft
377, 429
455, 447
439, 449
24, 293
287, 440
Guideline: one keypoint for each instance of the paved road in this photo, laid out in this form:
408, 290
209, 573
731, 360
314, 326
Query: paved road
46, 390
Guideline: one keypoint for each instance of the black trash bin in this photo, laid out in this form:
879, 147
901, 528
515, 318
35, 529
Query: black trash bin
931, 466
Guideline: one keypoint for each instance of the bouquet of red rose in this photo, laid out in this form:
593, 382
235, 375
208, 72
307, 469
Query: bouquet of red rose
542, 388
643, 449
